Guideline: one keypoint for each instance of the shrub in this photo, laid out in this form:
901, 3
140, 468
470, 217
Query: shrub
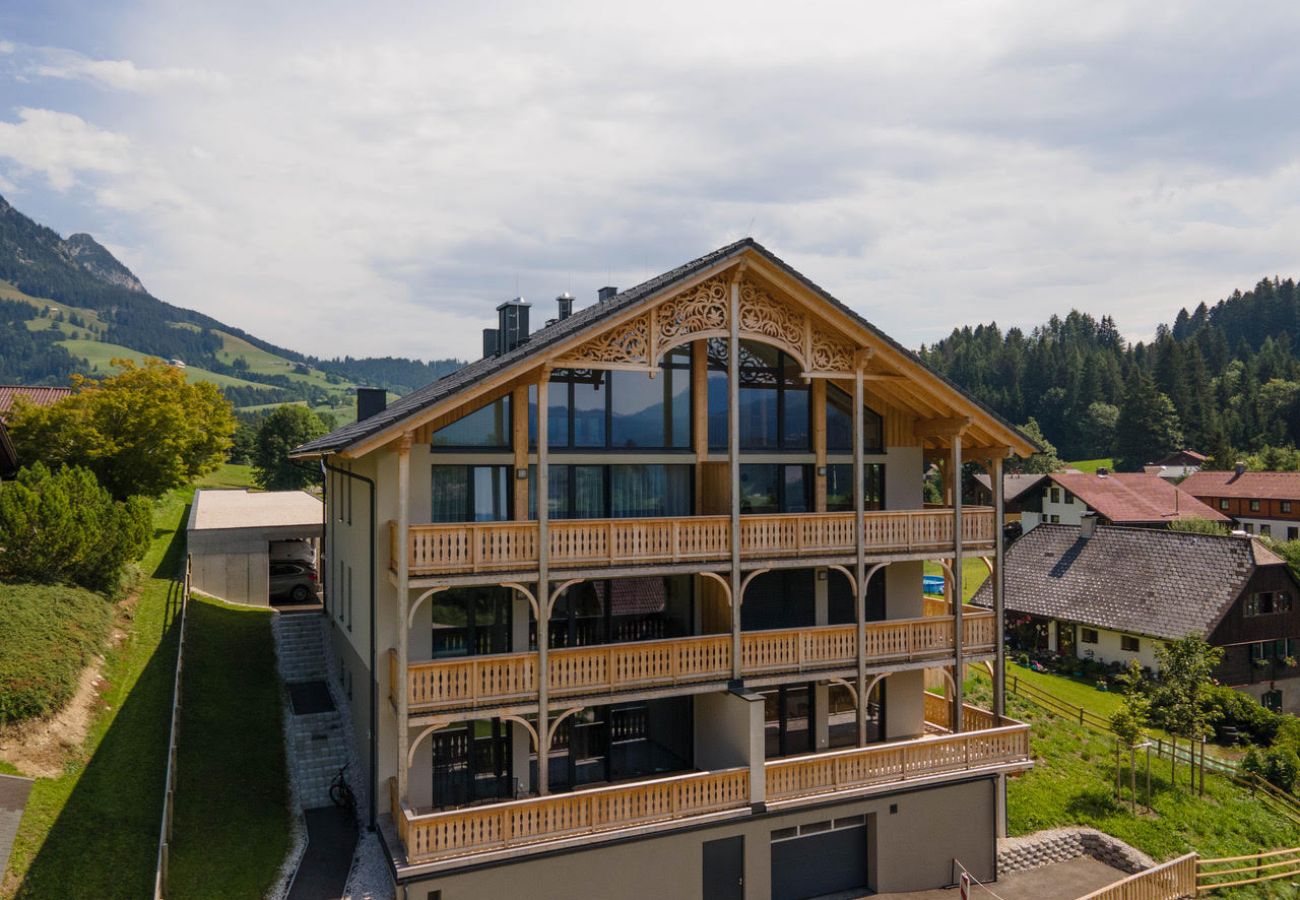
50, 634
1280, 767
1233, 709
63, 527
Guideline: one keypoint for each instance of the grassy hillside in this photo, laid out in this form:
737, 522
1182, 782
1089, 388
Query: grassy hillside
86, 341
50, 633
1092, 465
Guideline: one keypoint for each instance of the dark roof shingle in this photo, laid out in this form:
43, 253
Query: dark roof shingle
1155, 582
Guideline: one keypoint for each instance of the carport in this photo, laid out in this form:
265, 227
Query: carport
230, 533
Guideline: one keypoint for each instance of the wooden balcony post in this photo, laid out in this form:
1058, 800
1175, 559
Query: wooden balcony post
403, 608
519, 443
958, 674
733, 461
699, 414
860, 543
543, 589
817, 397
1000, 661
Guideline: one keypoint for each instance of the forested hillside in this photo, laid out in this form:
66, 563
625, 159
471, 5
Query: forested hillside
1223, 379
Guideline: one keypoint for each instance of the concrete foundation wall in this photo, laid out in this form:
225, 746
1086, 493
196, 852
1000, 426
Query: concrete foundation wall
910, 848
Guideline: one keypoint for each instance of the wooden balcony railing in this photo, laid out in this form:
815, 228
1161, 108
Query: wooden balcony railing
513, 546
504, 825
938, 711
501, 678
842, 770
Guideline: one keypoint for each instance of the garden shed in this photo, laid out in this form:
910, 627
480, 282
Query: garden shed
233, 537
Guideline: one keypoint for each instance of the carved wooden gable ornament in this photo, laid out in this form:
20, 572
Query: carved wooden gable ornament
704, 312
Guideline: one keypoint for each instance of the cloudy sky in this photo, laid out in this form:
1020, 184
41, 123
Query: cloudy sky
372, 179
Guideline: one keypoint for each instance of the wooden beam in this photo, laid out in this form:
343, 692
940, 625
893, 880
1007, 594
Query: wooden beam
954, 426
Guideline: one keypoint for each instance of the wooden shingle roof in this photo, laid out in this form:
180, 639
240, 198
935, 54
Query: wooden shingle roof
1155, 582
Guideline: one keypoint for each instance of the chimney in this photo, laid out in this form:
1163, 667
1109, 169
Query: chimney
606, 293
565, 302
1102, 471
370, 402
512, 324
1087, 525
489, 342
1239, 469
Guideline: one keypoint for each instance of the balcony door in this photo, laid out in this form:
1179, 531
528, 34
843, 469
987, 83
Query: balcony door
471, 494
791, 713
471, 764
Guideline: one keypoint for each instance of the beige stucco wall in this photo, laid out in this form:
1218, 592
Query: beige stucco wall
1107, 648
913, 850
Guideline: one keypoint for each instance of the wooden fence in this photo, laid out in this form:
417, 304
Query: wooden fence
178, 604
1168, 881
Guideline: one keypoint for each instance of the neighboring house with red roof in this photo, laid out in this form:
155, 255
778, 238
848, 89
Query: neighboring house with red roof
1266, 503
1178, 464
9, 393
1123, 498
39, 395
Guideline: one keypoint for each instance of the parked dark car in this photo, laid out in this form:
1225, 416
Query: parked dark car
294, 580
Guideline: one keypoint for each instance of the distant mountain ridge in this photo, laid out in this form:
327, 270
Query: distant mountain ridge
106, 303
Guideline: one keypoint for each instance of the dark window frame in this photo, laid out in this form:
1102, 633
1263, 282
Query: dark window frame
717, 363
509, 428
1088, 635
468, 470
1130, 644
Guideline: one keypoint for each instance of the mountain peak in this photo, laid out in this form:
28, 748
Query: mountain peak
92, 256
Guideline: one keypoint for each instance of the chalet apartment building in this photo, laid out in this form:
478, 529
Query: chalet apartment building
696, 669
1262, 503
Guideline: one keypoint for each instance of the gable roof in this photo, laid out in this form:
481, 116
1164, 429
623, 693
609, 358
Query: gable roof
1246, 486
587, 318
1133, 498
1181, 457
1155, 582
40, 395
1012, 485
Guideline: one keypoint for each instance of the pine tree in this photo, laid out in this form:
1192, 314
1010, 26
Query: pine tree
1147, 428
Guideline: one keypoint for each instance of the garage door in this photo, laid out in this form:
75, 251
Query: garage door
819, 858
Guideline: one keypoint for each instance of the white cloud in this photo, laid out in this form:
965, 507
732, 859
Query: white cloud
344, 182
60, 146
125, 75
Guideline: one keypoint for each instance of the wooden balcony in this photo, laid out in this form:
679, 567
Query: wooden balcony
470, 548
515, 824
499, 679
881, 764
506, 825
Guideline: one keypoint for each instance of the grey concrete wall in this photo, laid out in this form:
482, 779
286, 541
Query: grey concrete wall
233, 575
910, 848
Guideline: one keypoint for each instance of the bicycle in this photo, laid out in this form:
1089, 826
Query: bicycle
341, 792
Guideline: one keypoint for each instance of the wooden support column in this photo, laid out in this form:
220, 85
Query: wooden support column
817, 397
403, 610
543, 589
999, 585
958, 669
860, 544
699, 415
519, 442
733, 461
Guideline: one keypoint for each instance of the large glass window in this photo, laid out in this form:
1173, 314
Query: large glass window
620, 410
767, 488
472, 763
471, 493
622, 741
620, 610
640, 491
839, 486
470, 621
615, 491
486, 427
774, 412
839, 424
781, 598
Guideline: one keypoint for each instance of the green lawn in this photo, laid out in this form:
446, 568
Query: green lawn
973, 574
93, 832
229, 475
1092, 465
231, 798
1073, 780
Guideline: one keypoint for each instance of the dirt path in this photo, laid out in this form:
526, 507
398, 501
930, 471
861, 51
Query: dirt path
41, 748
